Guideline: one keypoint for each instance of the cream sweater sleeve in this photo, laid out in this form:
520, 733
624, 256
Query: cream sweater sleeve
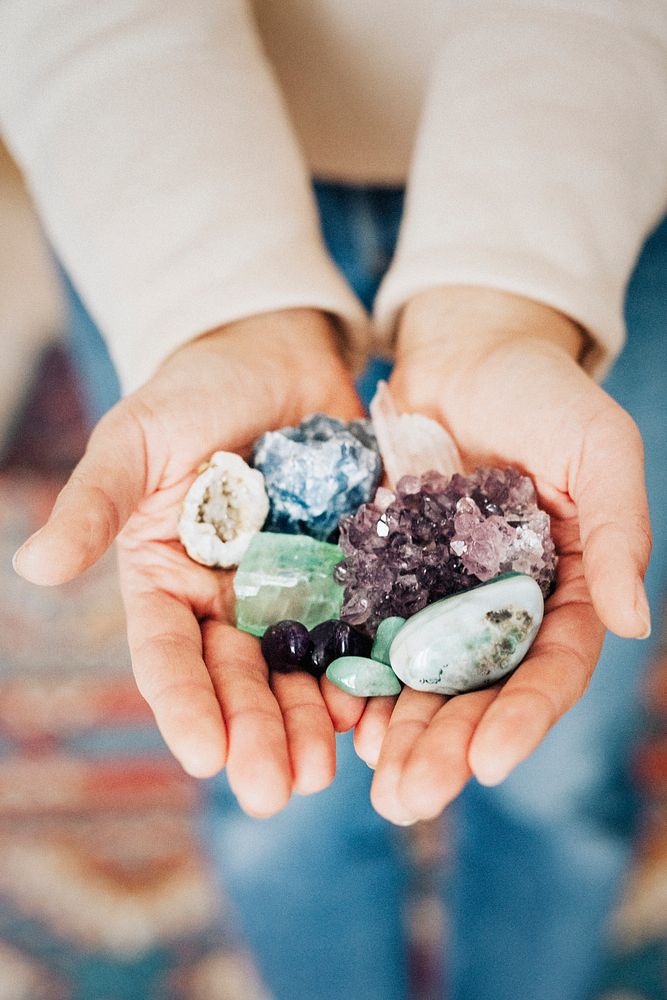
159, 153
541, 162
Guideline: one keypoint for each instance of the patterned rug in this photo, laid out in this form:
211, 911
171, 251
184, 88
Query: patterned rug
103, 892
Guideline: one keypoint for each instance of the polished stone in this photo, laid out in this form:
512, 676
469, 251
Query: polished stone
363, 677
385, 635
287, 647
333, 639
471, 640
286, 577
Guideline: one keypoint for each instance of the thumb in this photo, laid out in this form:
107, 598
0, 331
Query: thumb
608, 489
102, 492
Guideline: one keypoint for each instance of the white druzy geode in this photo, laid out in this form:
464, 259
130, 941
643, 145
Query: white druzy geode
225, 506
471, 640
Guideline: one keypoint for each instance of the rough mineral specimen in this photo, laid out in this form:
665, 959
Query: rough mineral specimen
286, 577
410, 443
317, 472
469, 641
438, 536
225, 506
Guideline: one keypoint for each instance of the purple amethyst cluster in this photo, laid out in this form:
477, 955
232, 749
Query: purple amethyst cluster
437, 536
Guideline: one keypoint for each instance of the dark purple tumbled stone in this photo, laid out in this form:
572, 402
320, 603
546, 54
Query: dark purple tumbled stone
286, 647
332, 639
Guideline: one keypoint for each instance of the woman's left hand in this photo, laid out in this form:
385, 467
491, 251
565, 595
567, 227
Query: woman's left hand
501, 373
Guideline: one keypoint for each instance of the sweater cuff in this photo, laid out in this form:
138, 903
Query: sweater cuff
206, 296
599, 314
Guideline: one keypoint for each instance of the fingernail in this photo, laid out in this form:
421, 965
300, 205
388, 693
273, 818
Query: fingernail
406, 822
18, 555
493, 773
21, 551
642, 610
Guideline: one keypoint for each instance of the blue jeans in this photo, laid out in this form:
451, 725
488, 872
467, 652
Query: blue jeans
538, 861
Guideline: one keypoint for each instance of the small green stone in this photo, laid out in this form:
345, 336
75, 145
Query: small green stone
286, 577
384, 637
363, 677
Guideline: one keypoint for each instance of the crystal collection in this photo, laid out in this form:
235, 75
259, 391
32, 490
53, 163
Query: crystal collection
438, 579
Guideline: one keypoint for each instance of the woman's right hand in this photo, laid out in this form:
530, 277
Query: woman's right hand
206, 682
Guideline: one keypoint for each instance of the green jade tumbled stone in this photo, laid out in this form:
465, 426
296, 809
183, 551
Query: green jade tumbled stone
286, 577
385, 635
363, 677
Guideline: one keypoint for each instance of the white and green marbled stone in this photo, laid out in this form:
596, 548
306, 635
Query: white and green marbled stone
471, 640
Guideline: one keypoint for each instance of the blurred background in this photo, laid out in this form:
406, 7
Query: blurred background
104, 890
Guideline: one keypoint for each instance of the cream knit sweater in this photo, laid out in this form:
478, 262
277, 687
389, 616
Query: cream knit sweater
169, 145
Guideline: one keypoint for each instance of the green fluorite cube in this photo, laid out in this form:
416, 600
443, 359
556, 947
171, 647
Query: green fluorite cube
286, 576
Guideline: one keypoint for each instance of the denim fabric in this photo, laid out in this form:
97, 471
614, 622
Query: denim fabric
538, 861
97, 376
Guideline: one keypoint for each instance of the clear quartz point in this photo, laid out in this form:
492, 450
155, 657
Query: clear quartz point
410, 443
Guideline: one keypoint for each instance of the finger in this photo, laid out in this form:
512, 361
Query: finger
437, 768
372, 728
607, 485
102, 492
412, 714
344, 709
258, 764
545, 686
310, 734
166, 649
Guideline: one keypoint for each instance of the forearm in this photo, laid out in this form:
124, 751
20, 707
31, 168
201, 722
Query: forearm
159, 152
464, 320
540, 161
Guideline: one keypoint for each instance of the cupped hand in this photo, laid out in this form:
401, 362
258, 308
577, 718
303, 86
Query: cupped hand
206, 682
501, 373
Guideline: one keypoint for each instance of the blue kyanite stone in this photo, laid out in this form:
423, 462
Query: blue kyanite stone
316, 473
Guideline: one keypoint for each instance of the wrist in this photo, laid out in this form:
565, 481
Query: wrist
286, 337
287, 362
466, 322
